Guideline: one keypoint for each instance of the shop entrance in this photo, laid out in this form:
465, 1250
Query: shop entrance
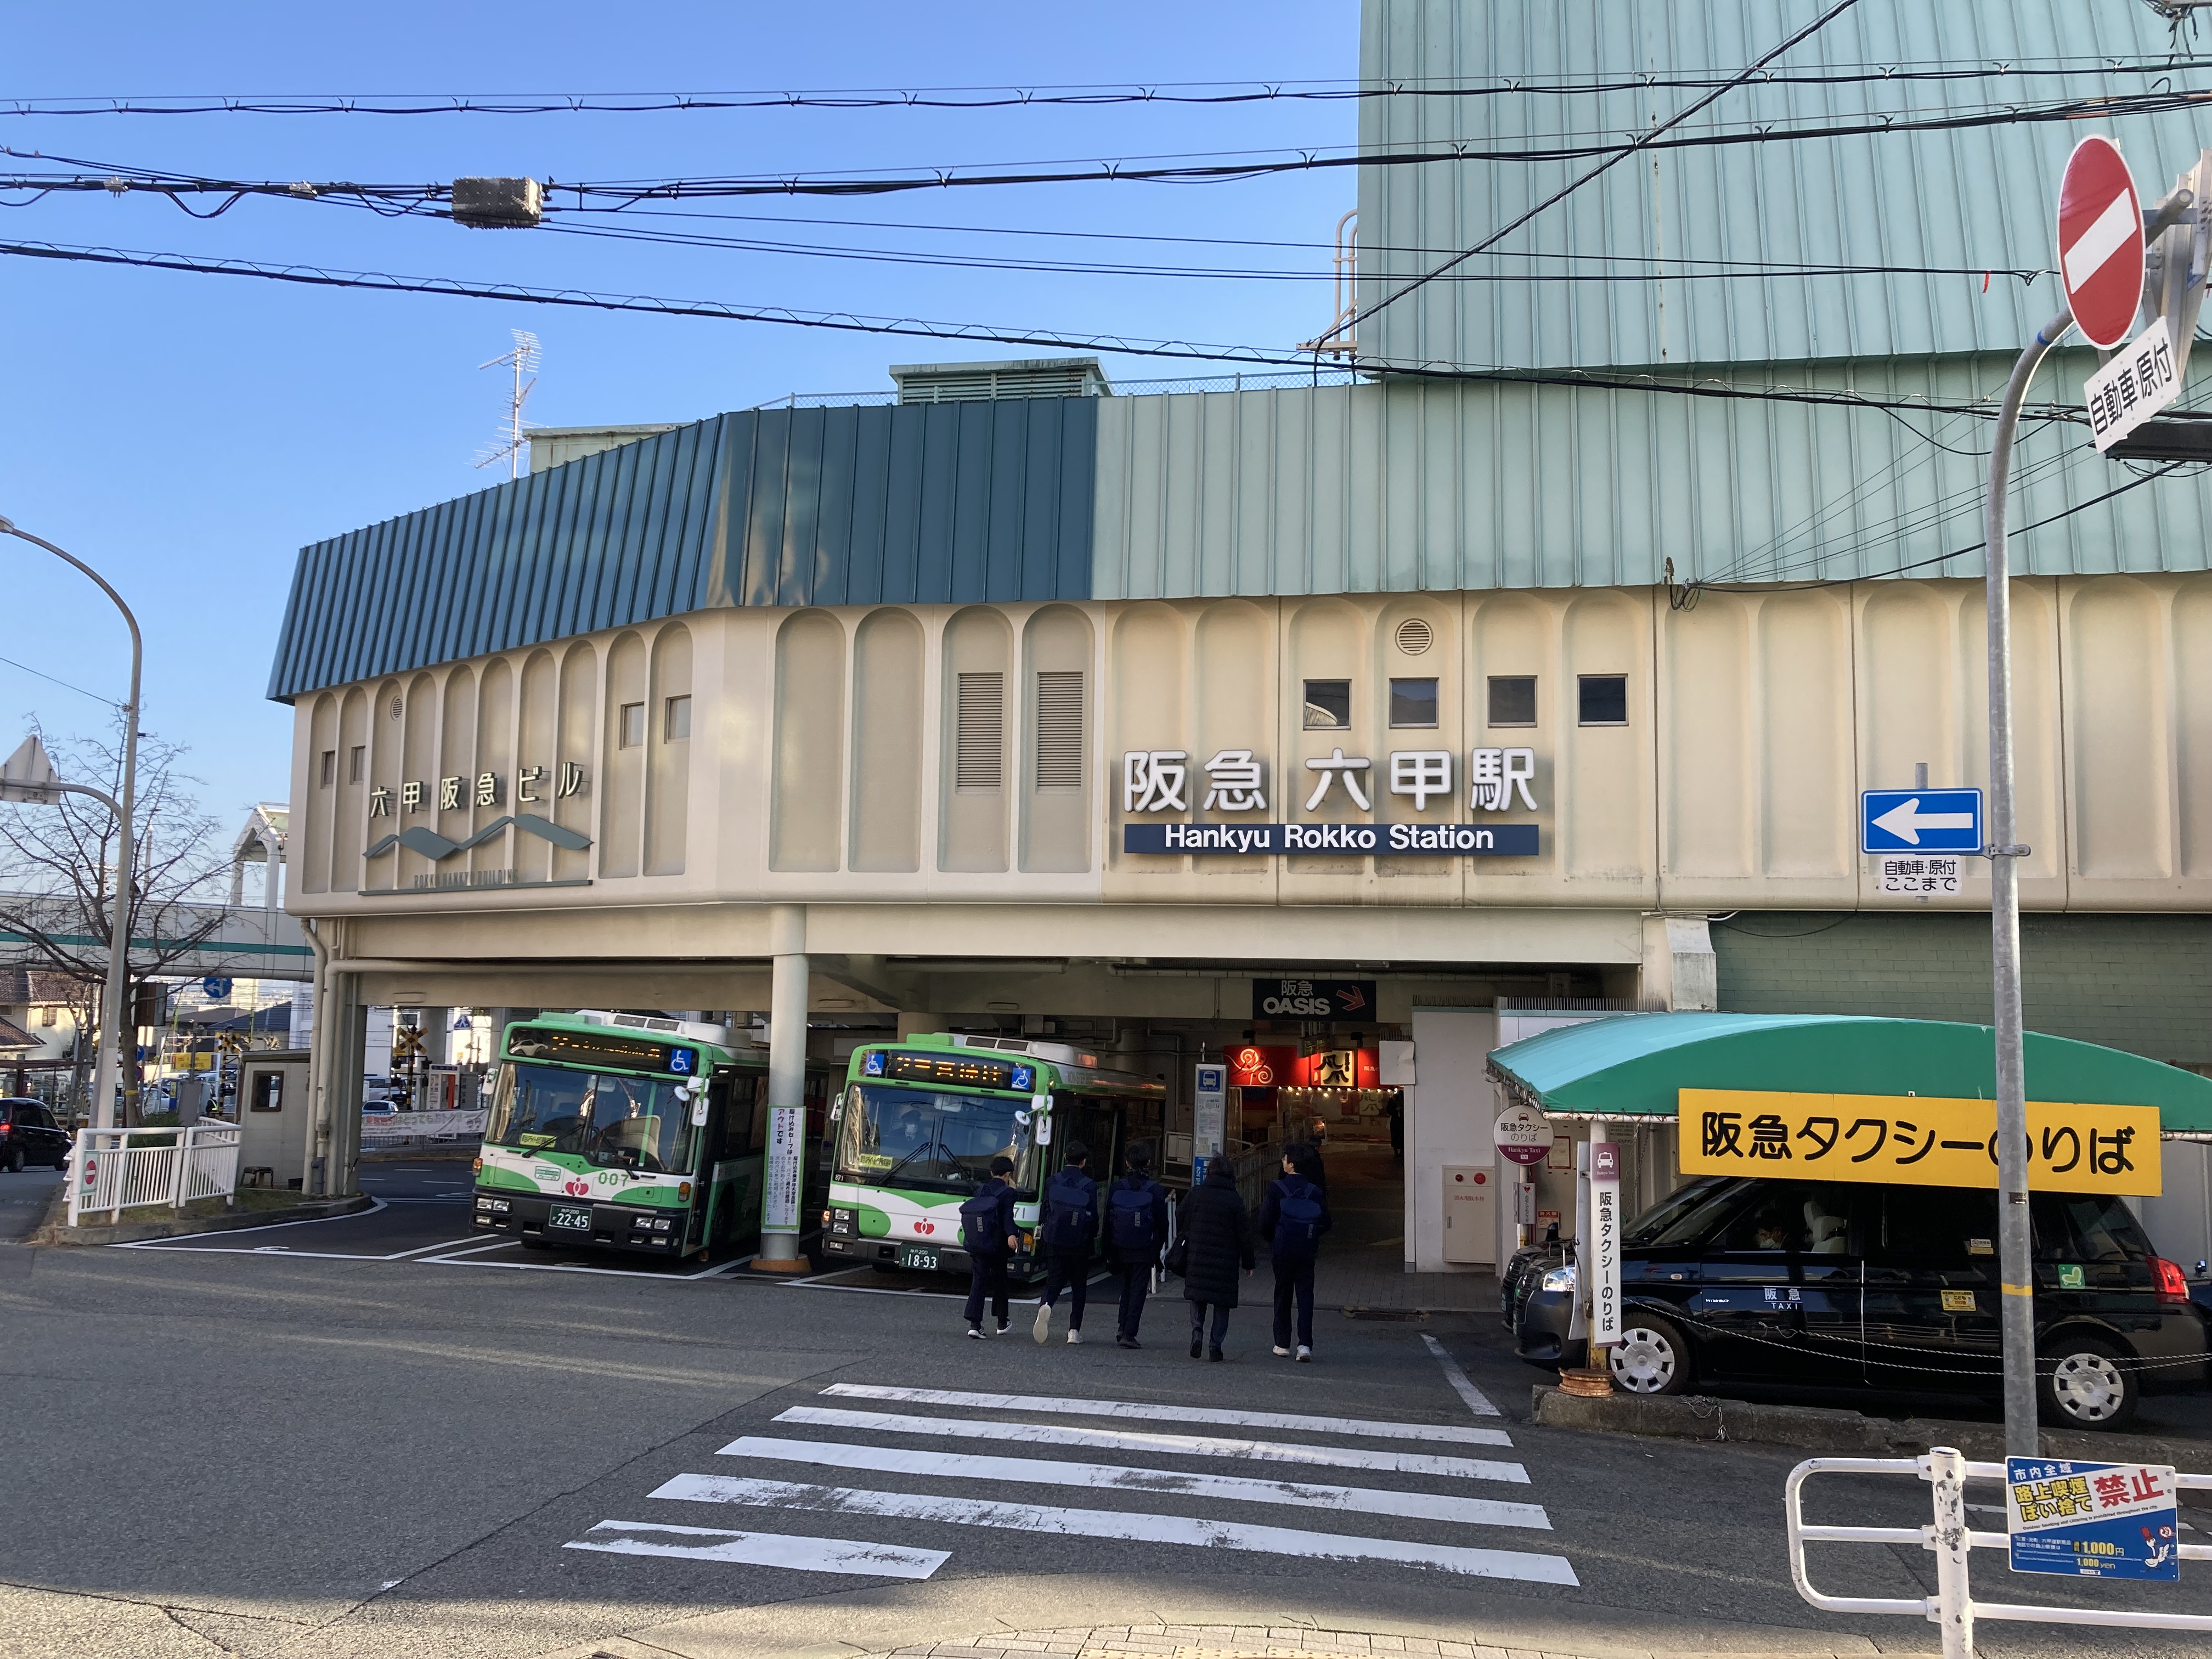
1324, 1088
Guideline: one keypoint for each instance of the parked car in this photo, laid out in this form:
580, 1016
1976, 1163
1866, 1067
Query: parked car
28, 1135
1849, 1287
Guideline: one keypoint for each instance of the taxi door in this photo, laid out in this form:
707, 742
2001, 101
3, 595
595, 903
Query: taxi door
1781, 1284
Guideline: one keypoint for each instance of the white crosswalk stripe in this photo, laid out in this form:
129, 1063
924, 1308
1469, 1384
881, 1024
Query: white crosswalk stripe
1178, 1500
1291, 1422
1016, 1472
1187, 1445
1137, 1527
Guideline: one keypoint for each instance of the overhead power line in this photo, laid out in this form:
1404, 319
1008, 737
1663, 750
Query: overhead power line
617, 194
977, 98
1349, 327
315, 276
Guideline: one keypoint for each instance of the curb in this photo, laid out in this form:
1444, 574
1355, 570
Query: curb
1837, 1432
139, 1232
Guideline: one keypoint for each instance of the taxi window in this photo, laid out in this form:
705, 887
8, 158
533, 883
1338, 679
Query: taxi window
1796, 1218
1938, 1228
2093, 1228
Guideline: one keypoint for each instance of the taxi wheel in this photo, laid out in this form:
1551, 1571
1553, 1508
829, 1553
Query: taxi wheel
2085, 1385
1653, 1357
15, 1160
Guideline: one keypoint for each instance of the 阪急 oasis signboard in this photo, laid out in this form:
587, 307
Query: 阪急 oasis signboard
1919, 1141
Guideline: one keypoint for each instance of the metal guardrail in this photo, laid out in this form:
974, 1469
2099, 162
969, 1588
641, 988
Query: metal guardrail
112, 1170
1952, 1607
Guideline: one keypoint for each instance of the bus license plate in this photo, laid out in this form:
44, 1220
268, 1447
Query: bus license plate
914, 1256
570, 1218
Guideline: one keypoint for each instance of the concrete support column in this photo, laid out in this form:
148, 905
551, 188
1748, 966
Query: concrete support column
911, 1025
785, 1183
1679, 973
341, 1042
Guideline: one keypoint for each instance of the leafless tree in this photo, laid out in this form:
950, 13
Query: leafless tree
58, 874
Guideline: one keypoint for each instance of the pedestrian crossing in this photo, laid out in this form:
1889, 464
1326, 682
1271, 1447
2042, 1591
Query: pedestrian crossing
889, 1460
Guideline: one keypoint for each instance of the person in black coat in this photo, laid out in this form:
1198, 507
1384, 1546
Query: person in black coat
988, 1231
1215, 1240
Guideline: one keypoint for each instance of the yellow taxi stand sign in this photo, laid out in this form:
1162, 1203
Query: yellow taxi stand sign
1921, 1140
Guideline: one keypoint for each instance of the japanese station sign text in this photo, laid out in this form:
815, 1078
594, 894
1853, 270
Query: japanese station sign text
1921, 1140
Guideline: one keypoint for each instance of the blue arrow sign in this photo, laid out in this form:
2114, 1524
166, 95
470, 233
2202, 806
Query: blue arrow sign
214, 987
1920, 821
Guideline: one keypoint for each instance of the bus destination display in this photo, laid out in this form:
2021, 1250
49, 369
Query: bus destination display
611, 1052
951, 1068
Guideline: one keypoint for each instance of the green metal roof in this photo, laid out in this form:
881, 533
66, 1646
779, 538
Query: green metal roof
1632, 1065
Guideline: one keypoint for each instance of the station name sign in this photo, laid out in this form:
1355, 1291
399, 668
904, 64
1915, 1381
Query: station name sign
1382, 840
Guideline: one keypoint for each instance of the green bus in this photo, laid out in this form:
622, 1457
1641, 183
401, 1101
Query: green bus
628, 1132
918, 1121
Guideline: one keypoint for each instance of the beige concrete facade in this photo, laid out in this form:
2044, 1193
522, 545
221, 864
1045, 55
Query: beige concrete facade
886, 768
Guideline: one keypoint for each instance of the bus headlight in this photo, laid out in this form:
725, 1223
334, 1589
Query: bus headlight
843, 1223
493, 1206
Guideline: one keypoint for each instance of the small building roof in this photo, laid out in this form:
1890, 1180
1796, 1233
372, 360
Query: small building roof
1633, 1065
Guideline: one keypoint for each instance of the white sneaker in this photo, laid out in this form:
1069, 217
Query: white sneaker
1075, 1339
1282, 1352
975, 1333
1041, 1327
1305, 1355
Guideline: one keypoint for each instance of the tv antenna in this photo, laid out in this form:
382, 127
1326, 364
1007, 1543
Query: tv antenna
514, 435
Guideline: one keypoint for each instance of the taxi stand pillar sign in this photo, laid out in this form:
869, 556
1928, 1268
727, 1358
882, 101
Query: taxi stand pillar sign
1522, 1135
786, 1115
1603, 1252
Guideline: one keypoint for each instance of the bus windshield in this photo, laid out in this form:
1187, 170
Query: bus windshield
937, 1142
617, 1123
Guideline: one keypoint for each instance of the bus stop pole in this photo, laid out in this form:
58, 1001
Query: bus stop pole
2014, 1273
784, 1187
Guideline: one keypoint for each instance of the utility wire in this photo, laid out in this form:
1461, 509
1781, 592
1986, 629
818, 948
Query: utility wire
315, 276
1642, 142
977, 98
41, 674
624, 192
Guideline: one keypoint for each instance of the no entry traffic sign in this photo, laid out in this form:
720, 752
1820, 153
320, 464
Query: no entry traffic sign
2100, 242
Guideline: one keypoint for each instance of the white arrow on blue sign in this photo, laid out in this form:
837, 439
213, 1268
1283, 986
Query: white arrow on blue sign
1920, 821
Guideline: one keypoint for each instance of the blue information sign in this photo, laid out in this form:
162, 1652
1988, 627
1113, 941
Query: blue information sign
1506, 841
2092, 1520
214, 988
1920, 821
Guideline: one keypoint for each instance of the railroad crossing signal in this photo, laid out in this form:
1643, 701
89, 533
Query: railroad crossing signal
406, 1043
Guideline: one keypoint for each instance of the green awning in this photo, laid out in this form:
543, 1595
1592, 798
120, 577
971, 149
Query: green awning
1632, 1065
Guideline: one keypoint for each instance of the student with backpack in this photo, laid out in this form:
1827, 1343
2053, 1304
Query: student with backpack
1136, 1229
1292, 1218
986, 1232
1066, 1233
1214, 1240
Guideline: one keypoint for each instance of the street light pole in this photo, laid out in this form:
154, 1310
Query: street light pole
108, 1068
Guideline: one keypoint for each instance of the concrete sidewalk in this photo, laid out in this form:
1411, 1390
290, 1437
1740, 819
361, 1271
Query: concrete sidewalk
1208, 1642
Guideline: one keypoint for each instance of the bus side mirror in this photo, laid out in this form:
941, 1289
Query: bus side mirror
699, 1113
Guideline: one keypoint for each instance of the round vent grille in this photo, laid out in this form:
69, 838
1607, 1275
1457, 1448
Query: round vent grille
1414, 636
397, 706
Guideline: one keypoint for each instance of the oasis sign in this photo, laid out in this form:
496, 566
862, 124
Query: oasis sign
1382, 840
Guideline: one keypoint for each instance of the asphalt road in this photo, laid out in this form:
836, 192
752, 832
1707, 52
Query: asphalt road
330, 1447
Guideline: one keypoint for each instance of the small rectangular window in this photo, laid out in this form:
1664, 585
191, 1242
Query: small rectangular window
1413, 702
49, 1014
1328, 705
1059, 729
979, 741
1604, 700
630, 726
675, 720
1512, 699
330, 766
357, 763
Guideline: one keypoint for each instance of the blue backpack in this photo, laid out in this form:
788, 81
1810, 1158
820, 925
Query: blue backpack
1071, 1214
1298, 1220
979, 1225
1129, 1219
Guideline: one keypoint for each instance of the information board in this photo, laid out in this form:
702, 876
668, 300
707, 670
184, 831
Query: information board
2092, 1520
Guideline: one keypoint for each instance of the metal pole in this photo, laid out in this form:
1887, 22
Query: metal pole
784, 1188
108, 1068
2014, 1275
1954, 1601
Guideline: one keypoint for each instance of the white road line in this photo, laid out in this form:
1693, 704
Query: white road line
1178, 1445
477, 1246
870, 1290
1141, 1529
1477, 1401
374, 1205
461, 1258
1045, 1472
760, 1549
1060, 1406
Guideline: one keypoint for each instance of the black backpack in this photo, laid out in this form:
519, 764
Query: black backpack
979, 1224
1071, 1214
1298, 1220
1129, 1218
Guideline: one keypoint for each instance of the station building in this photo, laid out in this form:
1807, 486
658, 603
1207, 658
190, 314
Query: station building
1346, 731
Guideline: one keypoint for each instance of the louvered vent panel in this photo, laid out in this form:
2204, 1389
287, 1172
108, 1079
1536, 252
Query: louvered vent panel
979, 753
1059, 729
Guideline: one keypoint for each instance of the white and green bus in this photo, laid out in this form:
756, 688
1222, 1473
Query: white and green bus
919, 1123
626, 1132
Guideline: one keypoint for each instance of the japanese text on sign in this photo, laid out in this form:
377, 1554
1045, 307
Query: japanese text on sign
1915, 1139
1920, 875
2135, 385
2092, 1520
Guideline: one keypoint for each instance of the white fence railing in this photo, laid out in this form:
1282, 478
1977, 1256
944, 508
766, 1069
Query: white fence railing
116, 1169
1952, 1607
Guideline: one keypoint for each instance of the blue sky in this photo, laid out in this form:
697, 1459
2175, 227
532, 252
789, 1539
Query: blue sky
186, 434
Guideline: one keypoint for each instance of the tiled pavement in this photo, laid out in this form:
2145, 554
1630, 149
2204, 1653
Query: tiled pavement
1205, 1642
